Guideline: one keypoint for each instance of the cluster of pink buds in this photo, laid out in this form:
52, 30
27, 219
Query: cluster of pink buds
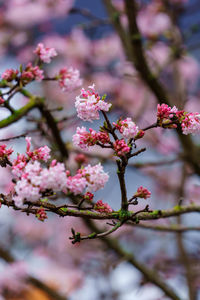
10, 74
85, 139
69, 79
121, 147
31, 73
41, 214
4, 155
102, 207
142, 193
45, 53
88, 196
89, 103
127, 128
169, 117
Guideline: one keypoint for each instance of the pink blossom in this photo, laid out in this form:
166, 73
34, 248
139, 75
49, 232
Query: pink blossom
102, 207
10, 74
69, 79
142, 193
54, 177
45, 53
127, 128
152, 22
19, 165
5, 152
40, 153
35, 180
2, 100
164, 111
121, 147
88, 104
84, 139
76, 184
96, 177
26, 191
190, 123
91, 178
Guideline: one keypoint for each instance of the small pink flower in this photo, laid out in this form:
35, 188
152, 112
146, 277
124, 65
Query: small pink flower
142, 193
69, 79
102, 207
1, 100
45, 53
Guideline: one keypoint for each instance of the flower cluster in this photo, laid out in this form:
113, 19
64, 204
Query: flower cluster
127, 128
31, 73
41, 214
5, 152
91, 178
41, 153
20, 162
10, 74
102, 207
4, 155
190, 123
45, 53
121, 147
69, 79
142, 193
35, 181
170, 117
85, 139
89, 103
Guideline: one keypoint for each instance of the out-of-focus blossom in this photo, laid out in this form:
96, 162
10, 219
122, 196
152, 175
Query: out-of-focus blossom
152, 22
69, 79
45, 53
36, 11
13, 277
10, 74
